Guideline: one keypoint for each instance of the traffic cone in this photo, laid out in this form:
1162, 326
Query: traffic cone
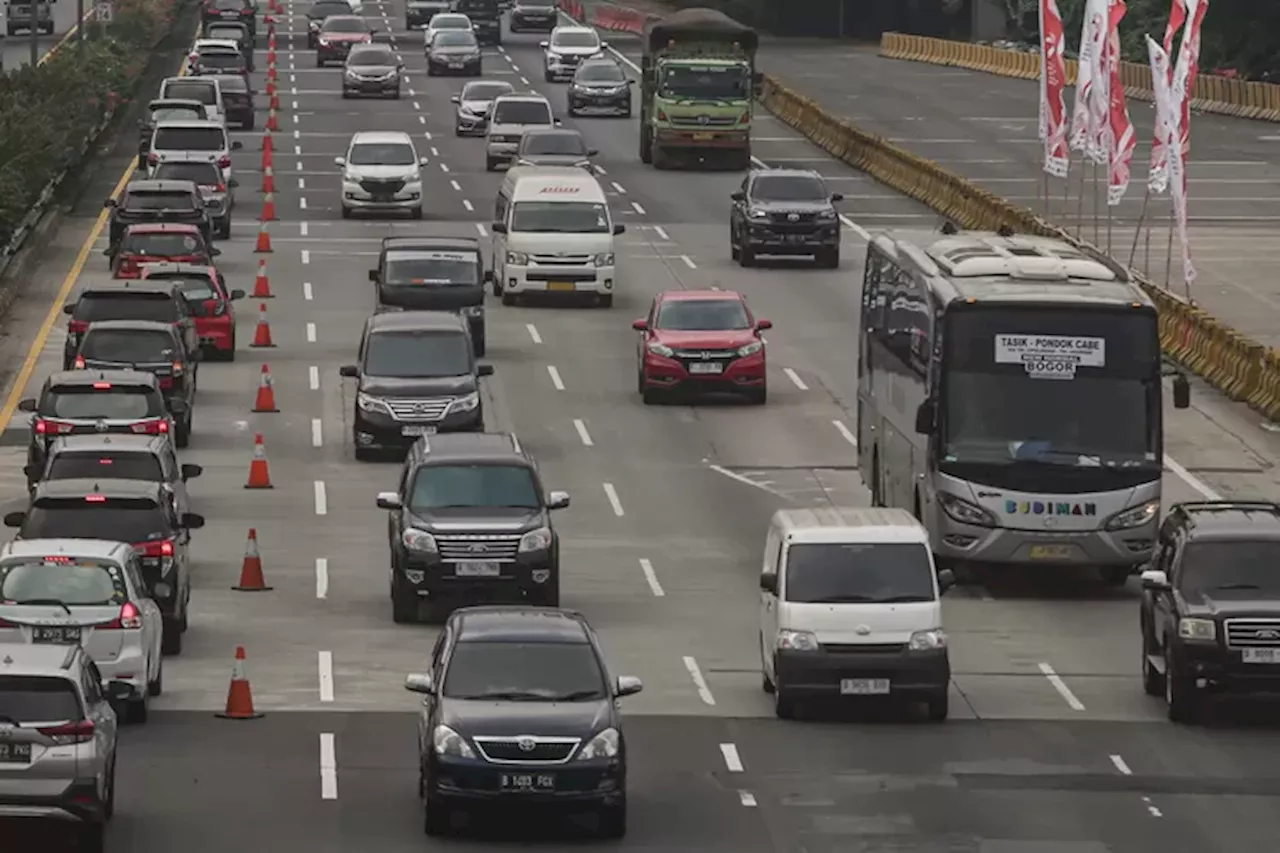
268, 147
264, 240
272, 72
271, 87
261, 284
239, 694
272, 122
268, 177
275, 102
266, 401
259, 475
251, 577
262, 335
269, 208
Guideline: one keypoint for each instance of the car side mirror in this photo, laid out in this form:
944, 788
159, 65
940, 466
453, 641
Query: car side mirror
192, 521
557, 500
30, 470
484, 370
543, 44
107, 252
757, 79
389, 500
373, 276
738, 195
1181, 392
339, 161
641, 325
763, 325
499, 228
627, 685
69, 308
946, 580
27, 405
769, 583
236, 145
619, 229
237, 294
556, 122
455, 99
214, 252
111, 202
488, 276
924, 418
119, 691
591, 152
190, 472
233, 183
1153, 580
14, 519
630, 82
423, 161
837, 197
349, 371
420, 682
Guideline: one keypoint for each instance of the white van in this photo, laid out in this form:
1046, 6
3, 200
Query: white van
206, 90
850, 607
553, 233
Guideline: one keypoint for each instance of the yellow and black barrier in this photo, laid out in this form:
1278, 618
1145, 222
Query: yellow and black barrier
1239, 367
1213, 94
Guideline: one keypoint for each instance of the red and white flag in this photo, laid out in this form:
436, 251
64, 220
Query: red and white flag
1158, 176
1053, 83
1090, 110
1167, 132
1121, 138
1186, 70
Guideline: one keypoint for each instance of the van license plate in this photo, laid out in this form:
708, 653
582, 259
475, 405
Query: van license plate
561, 286
476, 570
1261, 655
1050, 552
15, 753
418, 430
55, 634
864, 686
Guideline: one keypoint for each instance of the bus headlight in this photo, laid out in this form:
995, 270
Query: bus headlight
1134, 516
965, 512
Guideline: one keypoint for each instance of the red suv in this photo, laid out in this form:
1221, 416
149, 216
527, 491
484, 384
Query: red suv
211, 304
701, 340
161, 241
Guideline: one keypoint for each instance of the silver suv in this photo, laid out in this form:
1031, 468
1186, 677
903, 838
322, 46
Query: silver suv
58, 736
509, 118
193, 141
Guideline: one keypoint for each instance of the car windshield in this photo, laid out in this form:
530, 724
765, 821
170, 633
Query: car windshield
689, 315
441, 486
104, 465
706, 82
191, 90
220, 59
116, 520
153, 200
382, 154
128, 346
161, 244
788, 188
38, 699
345, 25
373, 55
189, 139
71, 582
200, 174
176, 114
1226, 565
533, 672
417, 355
601, 72
450, 22
91, 404
553, 143
95, 308
454, 38
484, 91
575, 39
552, 217
432, 268
837, 573
521, 112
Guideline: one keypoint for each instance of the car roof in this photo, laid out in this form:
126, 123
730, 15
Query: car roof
410, 321
150, 444
189, 123
573, 28
786, 173
39, 660
392, 244
175, 102
449, 15
160, 287
78, 488
131, 326
700, 295
333, 18
519, 624
1230, 520
523, 96
79, 378
488, 82
162, 228
152, 185
553, 131
60, 546
449, 447
231, 45
380, 136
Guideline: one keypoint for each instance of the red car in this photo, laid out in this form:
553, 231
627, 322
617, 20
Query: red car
211, 304
701, 340
162, 241
337, 34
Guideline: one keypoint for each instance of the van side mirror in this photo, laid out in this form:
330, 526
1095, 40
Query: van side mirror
924, 418
190, 472
389, 500
1153, 580
619, 229
484, 370
349, 371
543, 45
499, 228
14, 519
1181, 392
27, 405
769, 582
192, 521
946, 580
339, 161
738, 195
373, 276
69, 308
627, 685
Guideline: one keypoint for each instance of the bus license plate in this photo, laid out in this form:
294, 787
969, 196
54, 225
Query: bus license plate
55, 634
1050, 552
476, 570
418, 430
864, 686
528, 782
561, 285
15, 753
1261, 655
706, 367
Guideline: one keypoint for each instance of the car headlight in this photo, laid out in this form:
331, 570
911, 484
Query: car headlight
965, 512
661, 349
418, 540
928, 640
1198, 630
827, 215
799, 641
1134, 516
371, 404
751, 348
448, 742
518, 258
536, 540
350, 74
604, 745
553, 58
758, 214
467, 403
324, 42
604, 259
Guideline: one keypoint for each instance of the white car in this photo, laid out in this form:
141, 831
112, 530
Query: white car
382, 173
446, 21
566, 49
356, 6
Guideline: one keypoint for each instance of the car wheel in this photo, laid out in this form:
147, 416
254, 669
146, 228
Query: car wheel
93, 838
784, 704
548, 77
182, 434
547, 594
1152, 678
734, 252
1179, 692
171, 638
490, 164
404, 604
431, 70
746, 255
758, 396
627, 112
156, 686
345, 94
571, 110
436, 817
225, 231
319, 62
346, 212
612, 821
109, 800
606, 300
137, 711
416, 212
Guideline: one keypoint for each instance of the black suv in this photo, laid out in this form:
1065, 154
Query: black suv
1210, 614
433, 273
470, 522
149, 458
486, 19
94, 402
599, 87
158, 299
519, 712
417, 376
534, 16
158, 201
164, 109
784, 212
237, 96
133, 511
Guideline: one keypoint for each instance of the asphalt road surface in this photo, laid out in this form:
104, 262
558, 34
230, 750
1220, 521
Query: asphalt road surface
15, 50
1053, 748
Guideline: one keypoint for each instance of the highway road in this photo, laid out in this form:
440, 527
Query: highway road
1052, 745
15, 50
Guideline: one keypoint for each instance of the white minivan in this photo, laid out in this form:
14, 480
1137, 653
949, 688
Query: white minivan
553, 234
850, 606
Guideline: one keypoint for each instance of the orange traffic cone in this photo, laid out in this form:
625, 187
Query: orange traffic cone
268, 147
261, 284
262, 335
272, 122
239, 694
269, 208
271, 88
259, 474
268, 177
264, 240
271, 49
251, 577
275, 102
266, 400
272, 73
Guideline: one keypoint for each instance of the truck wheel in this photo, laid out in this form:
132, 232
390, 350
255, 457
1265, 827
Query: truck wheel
660, 158
1179, 692
646, 145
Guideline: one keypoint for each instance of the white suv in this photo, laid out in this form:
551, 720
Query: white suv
566, 49
509, 118
381, 174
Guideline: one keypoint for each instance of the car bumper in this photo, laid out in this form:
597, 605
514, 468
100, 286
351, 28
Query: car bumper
472, 124
560, 71
469, 67
730, 139
520, 279
332, 53
741, 374
376, 431
819, 674
1224, 671
434, 579
601, 103
501, 150
77, 803
217, 334
371, 87
766, 241
355, 197
519, 23
474, 782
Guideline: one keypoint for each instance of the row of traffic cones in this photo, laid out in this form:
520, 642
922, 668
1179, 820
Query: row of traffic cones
263, 244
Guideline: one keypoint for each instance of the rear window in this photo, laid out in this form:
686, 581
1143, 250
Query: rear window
157, 307
198, 290
105, 465
432, 268
189, 139
201, 174
176, 114
159, 200
233, 84
118, 403
134, 520
162, 244
221, 59
128, 346
191, 90
521, 112
83, 582
38, 699
230, 33
346, 25
325, 10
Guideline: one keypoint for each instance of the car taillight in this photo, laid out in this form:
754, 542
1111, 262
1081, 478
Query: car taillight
225, 162
46, 427
77, 327
155, 548
128, 620
79, 363
178, 367
221, 188
156, 427
70, 733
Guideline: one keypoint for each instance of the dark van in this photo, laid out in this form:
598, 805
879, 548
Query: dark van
433, 274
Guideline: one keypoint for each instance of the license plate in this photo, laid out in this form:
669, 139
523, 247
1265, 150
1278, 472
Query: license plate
702, 137
476, 570
561, 285
864, 686
706, 367
55, 634
15, 753
455, 64
384, 198
418, 430
528, 782
1261, 655
1050, 552
230, 14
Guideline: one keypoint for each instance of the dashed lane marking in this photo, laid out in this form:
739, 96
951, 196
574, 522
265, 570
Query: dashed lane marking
317, 432
651, 577
688, 261
324, 665
311, 333
795, 378
612, 494
313, 374
582, 432
1061, 686
306, 291
322, 577
844, 433
704, 692
533, 333
638, 209
555, 377
328, 767
322, 498
732, 760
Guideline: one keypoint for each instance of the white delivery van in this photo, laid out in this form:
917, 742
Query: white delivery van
850, 607
553, 234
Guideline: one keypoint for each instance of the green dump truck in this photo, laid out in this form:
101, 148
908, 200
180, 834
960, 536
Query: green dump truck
697, 78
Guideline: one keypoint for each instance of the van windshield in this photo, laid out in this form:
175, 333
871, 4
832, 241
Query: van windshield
861, 573
556, 217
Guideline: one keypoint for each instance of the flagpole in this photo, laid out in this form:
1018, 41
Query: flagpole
1080, 206
1168, 257
1097, 224
1142, 218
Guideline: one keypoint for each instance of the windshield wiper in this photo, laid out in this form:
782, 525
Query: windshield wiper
842, 599
51, 602
508, 696
899, 599
577, 696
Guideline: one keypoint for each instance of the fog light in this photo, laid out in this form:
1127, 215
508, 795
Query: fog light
608, 284
511, 284
163, 590
541, 575
415, 575
364, 438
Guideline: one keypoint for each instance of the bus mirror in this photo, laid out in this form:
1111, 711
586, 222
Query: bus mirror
924, 418
1181, 392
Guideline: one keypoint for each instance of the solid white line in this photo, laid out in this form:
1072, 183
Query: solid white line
457, 186
795, 379
325, 663
322, 577
662, 232
1121, 765
306, 256
314, 375
844, 431
617, 186
1191, 480
1061, 686
480, 228
733, 475
306, 291
731, 758
467, 204
302, 226
533, 333
328, 768
704, 692
612, 494
582, 433
652, 577
639, 209
555, 377
748, 799
688, 261
311, 333
322, 500
317, 433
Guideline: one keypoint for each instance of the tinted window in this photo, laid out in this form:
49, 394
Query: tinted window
89, 404
93, 308
703, 314
201, 174
345, 25
68, 582
117, 520
159, 200
454, 38
439, 486
575, 39
376, 55
191, 90
484, 91
432, 268
161, 244
231, 33
189, 139
553, 143
220, 60
382, 154
549, 217
33, 699
128, 346
176, 114
871, 573
450, 22
730, 82
1223, 566
228, 4
235, 84
522, 112
532, 671
417, 354
600, 72
788, 188
105, 465
198, 290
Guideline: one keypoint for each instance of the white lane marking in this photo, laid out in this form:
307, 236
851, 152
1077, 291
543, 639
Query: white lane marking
302, 203
746, 481
422, 119
1061, 686
732, 759
322, 499
688, 262
651, 577
480, 228
306, 256
533, 333
467, 204
1151, 808
582, 433
457, 186
748, 799
638, 208
844, 432
295, 105
704, 692
322, 577
297, 149
306, 291
795, 378
524, 80
1120, 764
617, 186
302, 229
328, 768
435, 152
324, 661
416, 105
662, 232
1191, 480
301, 168
317, 432
311, 333
612, 494
427, 134
314, 375
555, 377
444, 167
302, 182
600, 169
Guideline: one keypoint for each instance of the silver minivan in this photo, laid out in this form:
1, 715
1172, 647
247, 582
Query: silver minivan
193, 141
206, 90
509, 118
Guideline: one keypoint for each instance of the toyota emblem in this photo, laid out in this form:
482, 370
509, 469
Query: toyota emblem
793, 217
526, 743
704, 119
100, 426
863, 630
1268, 634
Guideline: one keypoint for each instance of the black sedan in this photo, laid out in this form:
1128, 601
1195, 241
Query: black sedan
372, 69
454, 52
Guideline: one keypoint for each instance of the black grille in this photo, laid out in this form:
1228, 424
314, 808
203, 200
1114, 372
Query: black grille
865, 648
542, 752
785, 218
560, 276
382, 187
1257, 633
